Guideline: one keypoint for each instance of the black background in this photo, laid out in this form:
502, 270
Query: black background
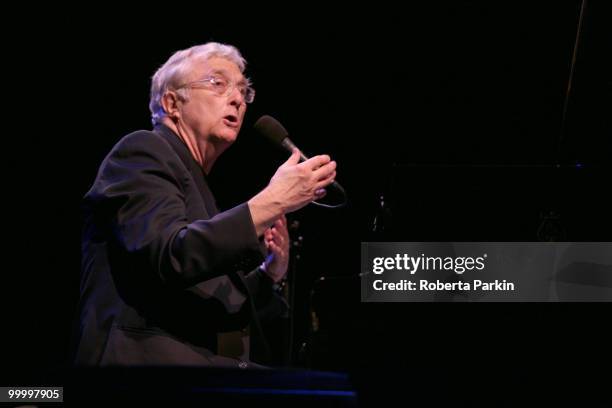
453, 112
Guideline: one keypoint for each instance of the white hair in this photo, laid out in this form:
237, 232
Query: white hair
172, 74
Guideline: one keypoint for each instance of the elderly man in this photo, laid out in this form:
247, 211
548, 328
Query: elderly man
167, 279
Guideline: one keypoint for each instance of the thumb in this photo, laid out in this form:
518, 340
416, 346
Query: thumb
294, 158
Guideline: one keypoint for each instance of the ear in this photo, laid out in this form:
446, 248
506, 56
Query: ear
171, 102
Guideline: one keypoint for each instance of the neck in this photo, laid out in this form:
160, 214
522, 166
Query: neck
203, 151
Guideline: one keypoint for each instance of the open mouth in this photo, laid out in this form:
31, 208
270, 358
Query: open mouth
231, 120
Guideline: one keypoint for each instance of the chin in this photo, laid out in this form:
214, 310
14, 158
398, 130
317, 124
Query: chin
227, 135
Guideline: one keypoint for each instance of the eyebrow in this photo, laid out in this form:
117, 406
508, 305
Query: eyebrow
223, 72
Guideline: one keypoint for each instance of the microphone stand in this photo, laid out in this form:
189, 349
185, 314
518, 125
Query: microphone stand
289, 288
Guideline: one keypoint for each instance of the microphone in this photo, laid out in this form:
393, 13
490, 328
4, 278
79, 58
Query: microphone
276, 133
272, 130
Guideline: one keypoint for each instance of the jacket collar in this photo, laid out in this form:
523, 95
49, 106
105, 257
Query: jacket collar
197, 172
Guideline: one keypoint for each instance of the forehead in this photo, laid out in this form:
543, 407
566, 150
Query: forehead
217, 65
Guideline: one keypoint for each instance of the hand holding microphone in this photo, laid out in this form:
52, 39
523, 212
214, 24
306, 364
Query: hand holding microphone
297, 182
276, 133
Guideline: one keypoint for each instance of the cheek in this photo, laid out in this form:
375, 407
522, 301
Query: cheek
241, 114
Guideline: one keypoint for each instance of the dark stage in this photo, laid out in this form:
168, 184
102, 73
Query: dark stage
476, 121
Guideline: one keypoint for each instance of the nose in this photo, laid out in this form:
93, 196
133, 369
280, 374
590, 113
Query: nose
235, 97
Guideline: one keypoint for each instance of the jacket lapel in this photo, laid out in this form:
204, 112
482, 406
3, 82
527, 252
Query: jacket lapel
197, 173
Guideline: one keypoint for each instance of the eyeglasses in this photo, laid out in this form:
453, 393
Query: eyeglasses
222, 86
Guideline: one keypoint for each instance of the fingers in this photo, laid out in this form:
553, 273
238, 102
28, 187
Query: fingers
316, 161
267, 236
280, 236
294, 158
324, 171
279, 252
295, 184
324, 175
276, 238
325, 182
281, 222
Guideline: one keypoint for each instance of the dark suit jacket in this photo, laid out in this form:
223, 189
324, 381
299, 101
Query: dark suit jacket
160, 282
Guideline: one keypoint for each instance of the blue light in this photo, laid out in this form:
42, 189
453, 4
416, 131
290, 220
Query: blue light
277, 391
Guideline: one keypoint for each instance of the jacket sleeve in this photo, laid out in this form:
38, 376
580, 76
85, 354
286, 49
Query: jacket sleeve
139, 197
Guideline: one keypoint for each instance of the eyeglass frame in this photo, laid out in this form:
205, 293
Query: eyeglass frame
231, 85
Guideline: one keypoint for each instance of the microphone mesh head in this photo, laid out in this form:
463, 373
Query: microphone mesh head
271, 129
